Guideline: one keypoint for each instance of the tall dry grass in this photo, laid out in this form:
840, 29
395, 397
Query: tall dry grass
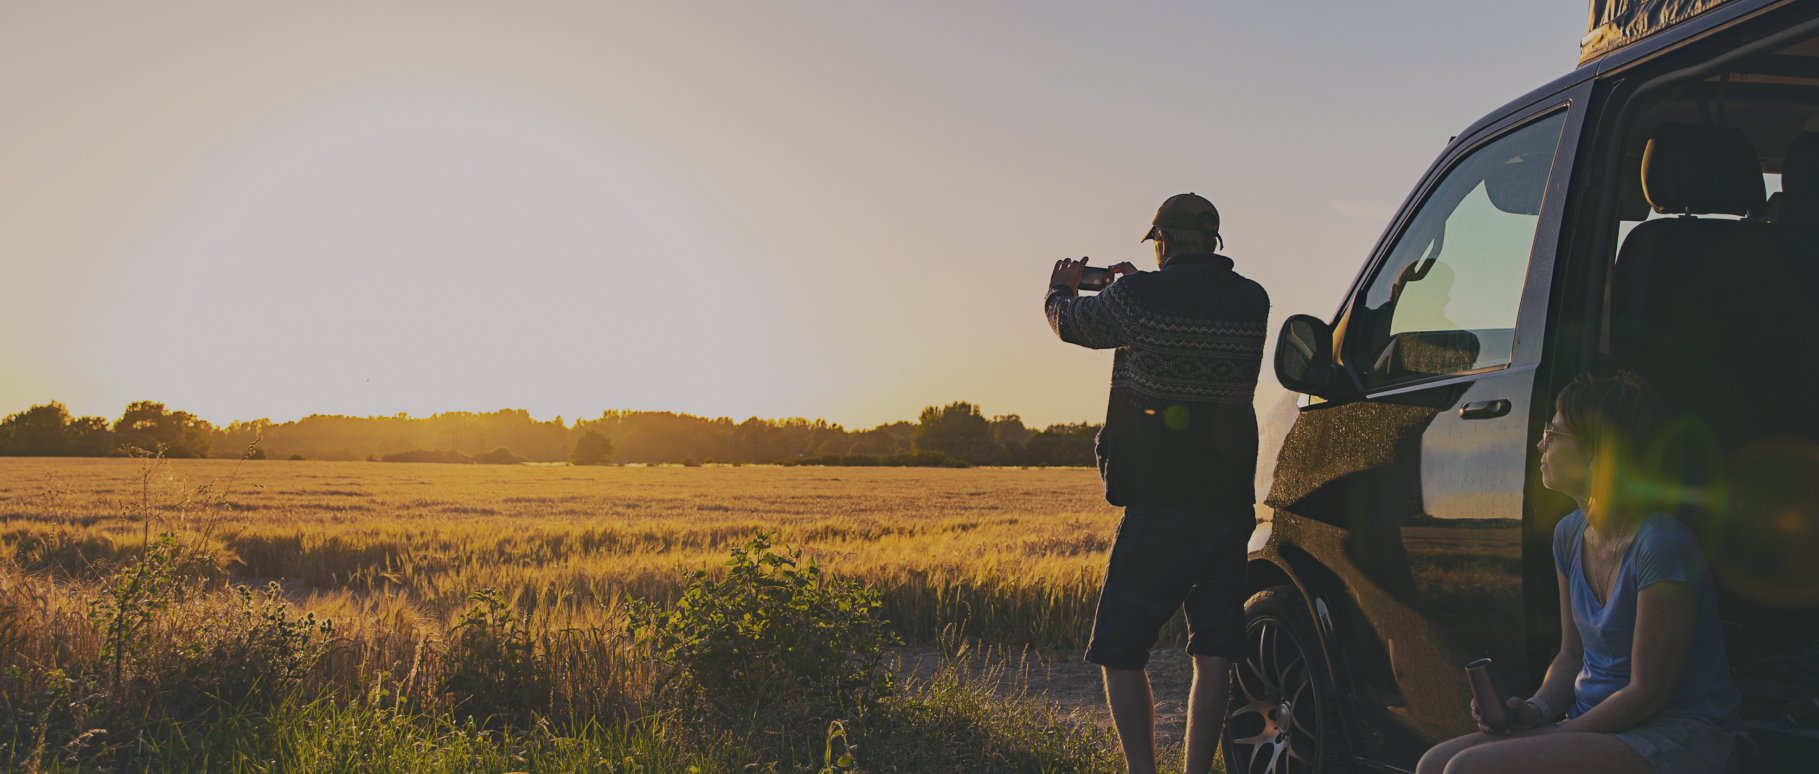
374, 564
1014, 555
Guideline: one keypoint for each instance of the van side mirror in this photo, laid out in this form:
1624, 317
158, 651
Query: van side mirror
1304, 356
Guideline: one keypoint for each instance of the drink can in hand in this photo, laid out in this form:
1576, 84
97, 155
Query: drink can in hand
1490, 699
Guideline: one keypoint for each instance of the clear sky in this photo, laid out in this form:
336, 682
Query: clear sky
827, 209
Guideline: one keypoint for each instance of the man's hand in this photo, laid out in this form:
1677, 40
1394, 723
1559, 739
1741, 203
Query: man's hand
1067, 273
1121, 269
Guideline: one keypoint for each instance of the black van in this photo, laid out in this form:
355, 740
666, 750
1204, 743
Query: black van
1620, 215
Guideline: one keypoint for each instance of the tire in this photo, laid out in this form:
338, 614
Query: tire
1283, 716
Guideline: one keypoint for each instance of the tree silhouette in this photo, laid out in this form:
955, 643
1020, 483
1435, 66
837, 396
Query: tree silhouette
150, 426
1008, 431
591, 448
49, 431
498, 456
957, 430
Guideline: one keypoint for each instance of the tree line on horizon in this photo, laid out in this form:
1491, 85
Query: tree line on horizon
954, 434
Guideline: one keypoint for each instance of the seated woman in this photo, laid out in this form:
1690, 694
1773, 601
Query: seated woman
1641, 666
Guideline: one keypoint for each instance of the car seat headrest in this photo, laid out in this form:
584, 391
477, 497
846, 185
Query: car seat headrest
1702, 170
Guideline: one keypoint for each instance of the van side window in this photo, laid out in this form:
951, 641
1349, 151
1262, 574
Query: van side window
1445, 299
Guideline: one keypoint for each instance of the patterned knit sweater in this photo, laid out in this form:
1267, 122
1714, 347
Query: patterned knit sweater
1179, 427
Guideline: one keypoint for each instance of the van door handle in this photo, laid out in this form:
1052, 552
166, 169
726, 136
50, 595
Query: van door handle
1484, 409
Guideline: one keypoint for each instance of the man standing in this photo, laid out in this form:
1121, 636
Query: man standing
1178, 452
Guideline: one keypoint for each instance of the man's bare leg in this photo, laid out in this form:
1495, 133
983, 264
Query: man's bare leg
1206, 702
1127, 692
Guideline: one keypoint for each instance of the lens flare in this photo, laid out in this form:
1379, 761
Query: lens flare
1761, 540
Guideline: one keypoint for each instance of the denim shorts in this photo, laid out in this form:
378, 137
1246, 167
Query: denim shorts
1161, 560
1682, 745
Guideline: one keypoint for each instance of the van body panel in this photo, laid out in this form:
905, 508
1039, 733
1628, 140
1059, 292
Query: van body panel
1412, 595
1421, 539
1400, 520
1545, 93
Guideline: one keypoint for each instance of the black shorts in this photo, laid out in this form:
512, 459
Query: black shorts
1161, 559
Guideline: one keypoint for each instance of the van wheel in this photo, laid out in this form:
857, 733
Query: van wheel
1284, 711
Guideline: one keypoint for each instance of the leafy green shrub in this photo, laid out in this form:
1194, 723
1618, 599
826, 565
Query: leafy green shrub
492, 665
243, 656
131, 599
772, 641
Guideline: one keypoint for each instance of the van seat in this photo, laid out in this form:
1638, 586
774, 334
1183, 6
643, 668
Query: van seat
1716, 314
1706, 308
1779, 749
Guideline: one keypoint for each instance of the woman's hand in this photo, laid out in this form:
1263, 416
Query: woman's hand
1521, 714
1478, 717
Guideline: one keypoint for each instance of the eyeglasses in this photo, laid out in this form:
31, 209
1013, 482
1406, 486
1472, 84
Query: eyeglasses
1549, 433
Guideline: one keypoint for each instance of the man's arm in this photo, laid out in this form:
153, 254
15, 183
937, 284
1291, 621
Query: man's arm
1089, 321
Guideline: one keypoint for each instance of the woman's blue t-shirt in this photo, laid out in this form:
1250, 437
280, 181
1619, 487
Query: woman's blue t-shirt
1663, 550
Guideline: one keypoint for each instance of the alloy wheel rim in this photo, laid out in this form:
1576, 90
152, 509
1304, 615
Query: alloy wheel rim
1274, 731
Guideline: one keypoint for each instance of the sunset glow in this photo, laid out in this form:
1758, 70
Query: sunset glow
823, 210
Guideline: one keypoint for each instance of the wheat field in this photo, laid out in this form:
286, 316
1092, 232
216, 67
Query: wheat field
393, 554
1012, 555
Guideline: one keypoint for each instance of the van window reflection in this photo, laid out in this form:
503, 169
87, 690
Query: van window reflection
1446, 298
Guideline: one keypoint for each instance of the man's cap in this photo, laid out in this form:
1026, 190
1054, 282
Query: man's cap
1189, 211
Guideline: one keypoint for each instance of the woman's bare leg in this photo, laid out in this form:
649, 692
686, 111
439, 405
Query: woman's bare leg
1434, 762
1564, 752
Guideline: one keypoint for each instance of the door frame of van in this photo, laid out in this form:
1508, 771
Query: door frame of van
1580, 322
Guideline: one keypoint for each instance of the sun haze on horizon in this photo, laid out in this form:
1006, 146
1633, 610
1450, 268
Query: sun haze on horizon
832, 210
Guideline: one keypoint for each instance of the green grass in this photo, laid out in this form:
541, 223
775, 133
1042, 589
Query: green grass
956, 721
